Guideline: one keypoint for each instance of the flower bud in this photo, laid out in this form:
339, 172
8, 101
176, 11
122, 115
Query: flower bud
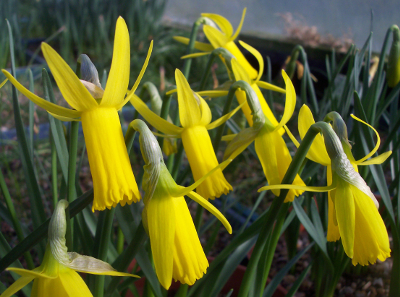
393, 65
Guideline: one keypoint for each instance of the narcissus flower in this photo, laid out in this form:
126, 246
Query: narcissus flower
222, 38
270, 147
195, 117
113, 179
175, 245
318, 154
363, 232
57, 275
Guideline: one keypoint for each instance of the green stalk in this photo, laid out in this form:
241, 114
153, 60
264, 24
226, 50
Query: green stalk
190, 48
120, 241
103, 248
31, 112
13, 215
54, 182
291, 173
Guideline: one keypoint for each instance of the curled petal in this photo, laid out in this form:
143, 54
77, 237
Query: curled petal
290, 103
195, 55
17, 285
268, 86
222, 23
201, 46
239, 28
257, 55
376, 160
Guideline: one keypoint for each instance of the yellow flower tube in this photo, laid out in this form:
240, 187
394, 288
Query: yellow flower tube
222, 38
113, 180
175, 245
57, 275
195, 118
270, 147
354, 209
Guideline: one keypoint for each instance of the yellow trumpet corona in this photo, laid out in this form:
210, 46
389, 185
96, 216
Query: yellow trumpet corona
113, 179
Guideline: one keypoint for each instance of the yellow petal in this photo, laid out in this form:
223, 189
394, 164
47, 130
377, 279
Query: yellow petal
224, 118
205, 111
154, 120
268, 86
213, 93
345, 214
215, 37
290, 102
139, 78
257, 55
317, 152
182, 191
333, 233
239, 72
376, 160
69, 84
118, 79
201, 46
189, 110
16, 286
190, 262
195, 55
64, 119
113, 179
228, 137
371, 239
30, 273
3, 83
161, 224
202, 160
222, 23
50, 107
296, 187
291, 136
239, 28
211, 208
378, 140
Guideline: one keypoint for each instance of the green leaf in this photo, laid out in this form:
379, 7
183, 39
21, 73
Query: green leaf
270, 289
296, 285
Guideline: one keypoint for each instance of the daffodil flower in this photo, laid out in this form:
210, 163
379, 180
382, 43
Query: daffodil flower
195, 117
113, 179
57, 275
175, 245
355, 208
270, 147
222, 38
318, 154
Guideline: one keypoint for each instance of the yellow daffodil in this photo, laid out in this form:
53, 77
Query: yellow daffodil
113, 179
222, 38
175, 245
195, 117
318, 154
269, 144
57, 275
355, 208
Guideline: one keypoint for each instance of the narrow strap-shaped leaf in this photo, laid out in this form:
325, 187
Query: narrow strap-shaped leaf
296, 285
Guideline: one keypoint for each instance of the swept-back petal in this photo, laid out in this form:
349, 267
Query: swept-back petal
205, 111
118, 79
290, 102
317, 152
222, 23
345, 214
239, 28
154, 120
376, 160
69, 84
297, 187
215, 37
239, 72
195, 55
333, 233
213, 93
189, 110
17, 285
224, 118
268, 86
50, 107
3, 83
161, 224
182, 191
30, 273
201, 46
211, 208
257, 55
64, 119
378, 140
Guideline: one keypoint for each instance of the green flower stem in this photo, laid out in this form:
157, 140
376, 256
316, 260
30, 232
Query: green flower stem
120, 241
190, 47
15, 221
182, 290
54, 182
71, 194
105, 232
41, 232
31, 111
164, 114
291, 65
199, 216
308, 81
214, 54
177, 163
273, 211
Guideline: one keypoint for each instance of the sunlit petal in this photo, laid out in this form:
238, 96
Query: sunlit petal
257, 55
201, 46
222, 23
376, 160
223, 119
